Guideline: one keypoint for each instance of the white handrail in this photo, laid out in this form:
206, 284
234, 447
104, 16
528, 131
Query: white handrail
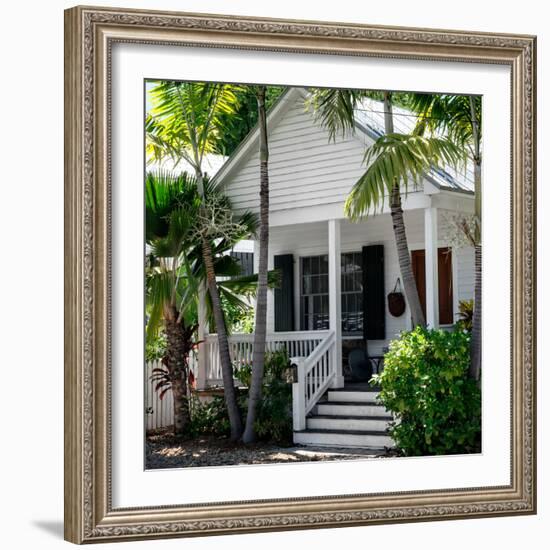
315, 373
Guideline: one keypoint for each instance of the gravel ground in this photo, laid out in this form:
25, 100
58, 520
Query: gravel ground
165, 451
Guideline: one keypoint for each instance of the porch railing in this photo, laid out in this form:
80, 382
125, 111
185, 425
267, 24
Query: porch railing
298, 344
311, 353
315, 373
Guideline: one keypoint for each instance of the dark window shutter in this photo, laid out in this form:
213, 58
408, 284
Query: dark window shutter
374, 294
246, 261
445, 276
284, 295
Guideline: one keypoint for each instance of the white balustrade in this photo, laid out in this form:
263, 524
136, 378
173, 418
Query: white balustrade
298, 344
311, 352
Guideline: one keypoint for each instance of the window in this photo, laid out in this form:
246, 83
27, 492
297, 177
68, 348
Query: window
314, 293
445, 276
352, 292
246, 259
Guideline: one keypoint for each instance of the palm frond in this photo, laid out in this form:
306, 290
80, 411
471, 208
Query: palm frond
395, 159
164, 191
448, 114
334, 109
186, 120
246, 285
159, 288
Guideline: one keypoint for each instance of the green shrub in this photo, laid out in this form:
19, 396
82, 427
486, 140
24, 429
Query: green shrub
155, 347
274, 415
425, 383
209, 418
465, 315
243, 373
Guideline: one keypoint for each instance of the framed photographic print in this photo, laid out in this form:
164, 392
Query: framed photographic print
300, 274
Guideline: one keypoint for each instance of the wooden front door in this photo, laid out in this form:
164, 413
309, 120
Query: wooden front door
445, 276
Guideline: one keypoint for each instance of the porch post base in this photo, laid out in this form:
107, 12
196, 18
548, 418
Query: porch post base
338, 381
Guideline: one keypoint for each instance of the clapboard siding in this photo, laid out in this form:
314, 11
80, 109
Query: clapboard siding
312, 239
465, 272
305, 167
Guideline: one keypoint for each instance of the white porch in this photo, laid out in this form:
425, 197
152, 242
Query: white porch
318, 353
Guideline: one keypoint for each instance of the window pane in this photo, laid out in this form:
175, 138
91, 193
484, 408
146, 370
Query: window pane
314, 286
317, 302
306, 266
359, 281
314, 265
323, 284
314, 293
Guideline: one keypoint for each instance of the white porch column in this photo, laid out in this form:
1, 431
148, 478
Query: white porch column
431, 258
335, 297
202, 334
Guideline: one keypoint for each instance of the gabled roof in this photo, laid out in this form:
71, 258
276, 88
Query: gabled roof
369, 121
370, 117
275, 112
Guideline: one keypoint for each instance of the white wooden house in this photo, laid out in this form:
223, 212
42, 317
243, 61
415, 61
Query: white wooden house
336, 274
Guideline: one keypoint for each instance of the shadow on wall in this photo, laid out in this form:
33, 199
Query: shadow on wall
52, 527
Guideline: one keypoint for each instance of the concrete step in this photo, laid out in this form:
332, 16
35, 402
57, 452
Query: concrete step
348, 408
342, 438
354, 423
352, 396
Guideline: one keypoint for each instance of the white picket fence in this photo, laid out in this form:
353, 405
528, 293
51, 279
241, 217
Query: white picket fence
159, 413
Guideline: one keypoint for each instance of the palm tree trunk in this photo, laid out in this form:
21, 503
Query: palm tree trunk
258, 354
229, 392
400, 234
404, 257
176, 362
475, 344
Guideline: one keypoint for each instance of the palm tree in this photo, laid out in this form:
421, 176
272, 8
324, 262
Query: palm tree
459, 117
185, 123
176, 269
168, 228
260, 329
392, 161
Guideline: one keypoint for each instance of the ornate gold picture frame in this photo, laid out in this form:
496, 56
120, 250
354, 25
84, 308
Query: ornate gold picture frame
90, 34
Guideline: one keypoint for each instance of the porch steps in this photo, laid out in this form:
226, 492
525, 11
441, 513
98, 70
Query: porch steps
343, 438
353, 423
349, 408
347, 417
367, 396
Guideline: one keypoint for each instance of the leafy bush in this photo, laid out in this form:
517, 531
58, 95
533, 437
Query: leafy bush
243, 321
243, 373
274, 415
155, 347
465, 315
425, 384
209, 417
